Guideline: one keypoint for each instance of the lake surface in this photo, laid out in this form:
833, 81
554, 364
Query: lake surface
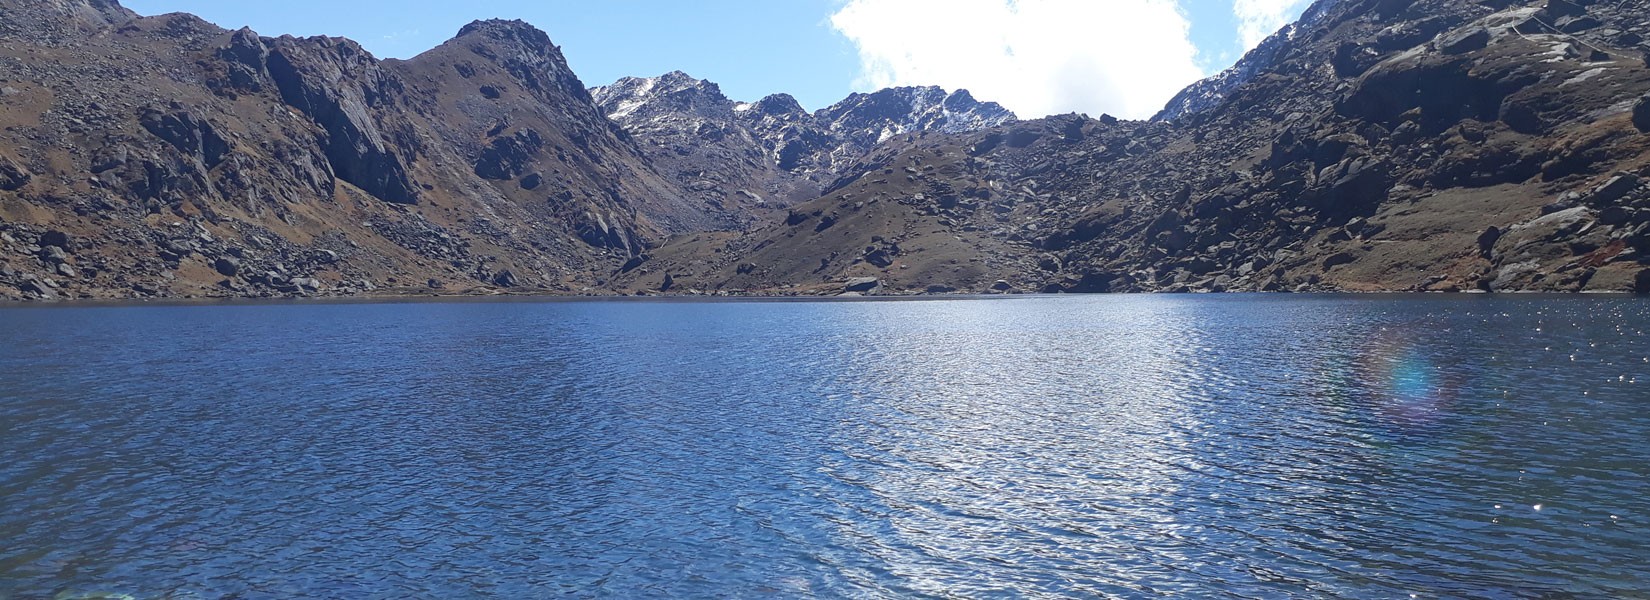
1122, 446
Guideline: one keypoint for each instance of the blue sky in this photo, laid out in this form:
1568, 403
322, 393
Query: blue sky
810, 49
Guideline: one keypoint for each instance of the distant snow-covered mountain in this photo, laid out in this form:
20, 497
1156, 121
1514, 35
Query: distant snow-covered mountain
742, 156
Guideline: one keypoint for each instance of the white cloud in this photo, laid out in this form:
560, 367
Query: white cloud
1259, 19
1036, 57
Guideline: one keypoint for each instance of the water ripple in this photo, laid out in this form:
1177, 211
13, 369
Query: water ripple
1243, 447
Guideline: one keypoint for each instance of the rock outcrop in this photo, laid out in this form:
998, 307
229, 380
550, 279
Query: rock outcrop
12, 175
338, 83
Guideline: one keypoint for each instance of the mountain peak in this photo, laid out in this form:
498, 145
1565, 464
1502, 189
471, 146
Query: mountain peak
778, 104
675, 92
892, 111
513, 30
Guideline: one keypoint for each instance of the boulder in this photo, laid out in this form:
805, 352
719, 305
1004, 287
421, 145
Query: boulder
34, 286
607, 231
1641, 114
505, 278
1338, 259
12, 175
227, 266
1613, 216
1613, 190
1487, 240
862, 284
54, 237
53, 255
1356, 185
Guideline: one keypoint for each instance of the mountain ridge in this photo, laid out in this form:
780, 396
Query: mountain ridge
1381, 145
746, 159
1433, 145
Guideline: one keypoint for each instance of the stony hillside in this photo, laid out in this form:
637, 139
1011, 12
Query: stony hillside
164, 156
1385, 146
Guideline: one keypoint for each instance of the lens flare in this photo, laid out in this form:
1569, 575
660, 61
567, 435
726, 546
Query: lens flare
1407, 384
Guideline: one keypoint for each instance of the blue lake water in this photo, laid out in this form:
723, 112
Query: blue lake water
1120, 446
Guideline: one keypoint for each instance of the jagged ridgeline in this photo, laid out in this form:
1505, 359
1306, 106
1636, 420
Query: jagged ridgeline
1375, 145
745, 159
165, 156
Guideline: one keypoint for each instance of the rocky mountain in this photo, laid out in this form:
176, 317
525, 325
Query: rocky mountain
1389, 145
165, 156
692, 134
1379, 145
745, 159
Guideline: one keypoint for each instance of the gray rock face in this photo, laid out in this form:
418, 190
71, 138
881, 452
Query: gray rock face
247, 58
528, 54
191, 136
336, 83
694, 136
508, 157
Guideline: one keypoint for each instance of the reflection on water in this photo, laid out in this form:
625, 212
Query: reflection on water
1244, 446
